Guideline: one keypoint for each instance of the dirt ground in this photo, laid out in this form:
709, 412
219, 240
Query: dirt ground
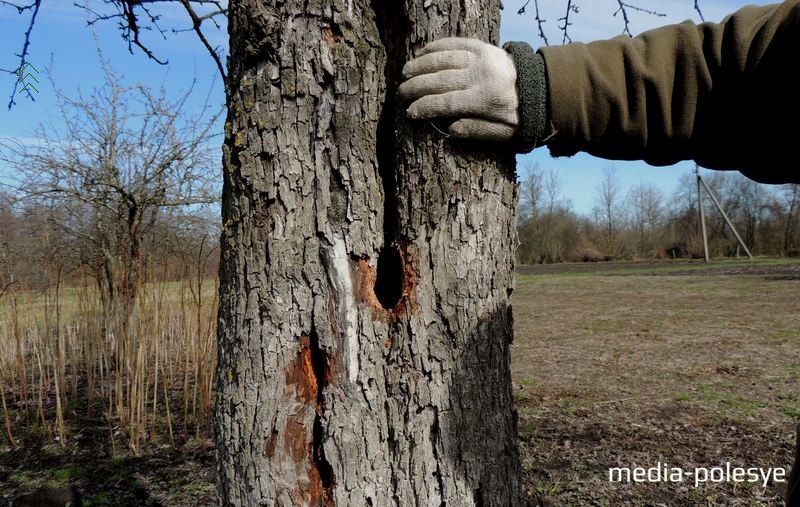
615, 365
636, 365
161, 475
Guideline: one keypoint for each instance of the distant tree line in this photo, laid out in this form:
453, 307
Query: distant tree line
41, 245
647, 222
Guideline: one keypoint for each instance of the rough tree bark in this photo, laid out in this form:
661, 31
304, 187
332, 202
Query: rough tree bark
367, 264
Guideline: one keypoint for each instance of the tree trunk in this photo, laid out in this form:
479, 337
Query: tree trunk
367, 265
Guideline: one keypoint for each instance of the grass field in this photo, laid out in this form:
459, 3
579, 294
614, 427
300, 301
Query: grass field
624, 364
687, 365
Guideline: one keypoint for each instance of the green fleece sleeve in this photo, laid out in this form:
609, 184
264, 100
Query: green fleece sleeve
726, 95
532, 93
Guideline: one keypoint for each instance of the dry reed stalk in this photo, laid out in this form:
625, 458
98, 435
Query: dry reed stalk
169, 417
59, 418
40, 399
6, 416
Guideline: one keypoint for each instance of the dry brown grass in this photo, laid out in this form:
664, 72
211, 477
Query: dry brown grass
149, 376
119, 407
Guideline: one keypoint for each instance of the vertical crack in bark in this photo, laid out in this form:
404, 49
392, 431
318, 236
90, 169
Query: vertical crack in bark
320, 366
478, 498
321, 472
392, 23
436, 436
311, 375
460, 29
322, 476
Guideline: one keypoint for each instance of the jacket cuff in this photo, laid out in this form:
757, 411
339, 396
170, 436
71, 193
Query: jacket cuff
532, 94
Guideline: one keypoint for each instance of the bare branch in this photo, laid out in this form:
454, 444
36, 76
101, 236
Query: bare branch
699, 12
129, 25
196, 22
571, 8
211, 16
23, 56
20, 8
134, 17
7, 286
623, 8
539, 20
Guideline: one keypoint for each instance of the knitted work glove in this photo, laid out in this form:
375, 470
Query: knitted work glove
467, 80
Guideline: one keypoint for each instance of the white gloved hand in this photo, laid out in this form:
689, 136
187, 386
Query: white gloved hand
470, 81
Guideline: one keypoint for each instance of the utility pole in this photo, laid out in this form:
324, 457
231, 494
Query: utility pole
700, 181
702, 212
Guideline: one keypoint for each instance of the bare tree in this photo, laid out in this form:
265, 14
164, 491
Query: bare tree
117, 158
552, 189
791, 219
540, 207
531, 192
752, 204
606, 209
645, 202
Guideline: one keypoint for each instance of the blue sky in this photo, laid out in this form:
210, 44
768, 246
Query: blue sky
61, 35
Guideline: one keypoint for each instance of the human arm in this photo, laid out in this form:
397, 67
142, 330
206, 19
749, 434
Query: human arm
722, 94
726, 95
